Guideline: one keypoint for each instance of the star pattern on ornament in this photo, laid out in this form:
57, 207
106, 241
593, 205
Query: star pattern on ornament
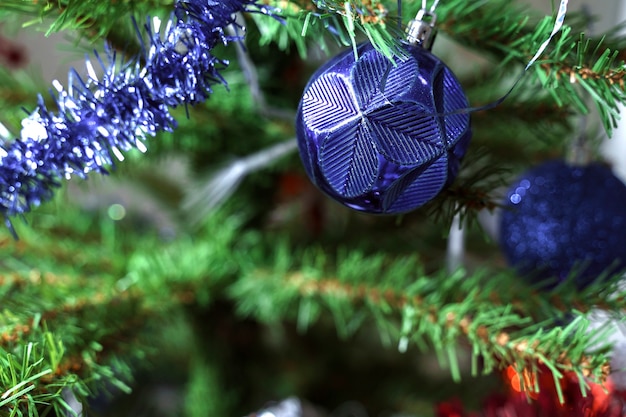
370, 114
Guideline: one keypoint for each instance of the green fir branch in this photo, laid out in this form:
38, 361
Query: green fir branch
601, 78
95, 18
442, 312
30, 381
347, 22
272, 282
570, 59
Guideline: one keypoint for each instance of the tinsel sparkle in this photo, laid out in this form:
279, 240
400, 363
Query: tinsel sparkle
102, 116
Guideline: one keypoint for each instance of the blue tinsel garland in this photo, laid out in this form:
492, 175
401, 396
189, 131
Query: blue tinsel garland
103, 116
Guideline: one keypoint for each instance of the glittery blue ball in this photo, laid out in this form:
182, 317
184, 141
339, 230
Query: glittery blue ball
561, 219
383, 137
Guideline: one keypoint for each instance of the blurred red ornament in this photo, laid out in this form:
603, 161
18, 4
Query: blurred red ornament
12, 55
452, 408
521, 398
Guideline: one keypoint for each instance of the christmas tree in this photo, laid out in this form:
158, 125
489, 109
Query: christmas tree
286, 208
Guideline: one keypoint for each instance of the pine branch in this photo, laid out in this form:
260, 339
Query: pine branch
95, 18
434, 312
89, 357
343, 21
80, 356
601, 78
567, 61
55, 308
25, 369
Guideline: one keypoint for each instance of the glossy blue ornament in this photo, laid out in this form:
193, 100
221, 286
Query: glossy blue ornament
383, 137
560, 219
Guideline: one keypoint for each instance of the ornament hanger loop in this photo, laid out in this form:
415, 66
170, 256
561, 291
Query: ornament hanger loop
434, 6
421, 28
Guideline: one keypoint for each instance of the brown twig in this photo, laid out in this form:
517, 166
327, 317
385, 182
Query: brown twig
524, 350
563, 71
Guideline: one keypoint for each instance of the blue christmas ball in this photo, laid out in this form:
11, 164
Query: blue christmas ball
561, 219
379, 136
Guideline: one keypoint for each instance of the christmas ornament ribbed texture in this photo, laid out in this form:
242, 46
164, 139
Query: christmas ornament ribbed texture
561, 219
383, 137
